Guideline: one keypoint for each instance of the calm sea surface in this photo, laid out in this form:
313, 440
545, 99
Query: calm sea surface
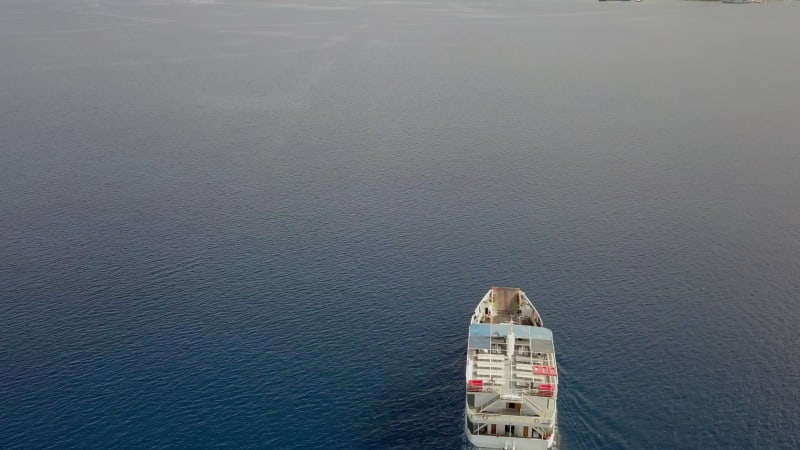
266, 223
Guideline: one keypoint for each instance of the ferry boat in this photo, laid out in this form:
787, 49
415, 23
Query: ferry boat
511, 376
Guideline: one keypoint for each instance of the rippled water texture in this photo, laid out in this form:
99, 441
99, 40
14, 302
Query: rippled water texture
266, 223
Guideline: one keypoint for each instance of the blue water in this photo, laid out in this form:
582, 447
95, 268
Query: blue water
265, 224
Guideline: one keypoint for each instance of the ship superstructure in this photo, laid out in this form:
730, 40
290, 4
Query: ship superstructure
511, 375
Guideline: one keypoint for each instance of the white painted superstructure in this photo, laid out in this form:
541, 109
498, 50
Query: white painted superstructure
511, 375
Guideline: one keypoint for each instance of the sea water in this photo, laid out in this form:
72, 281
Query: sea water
265, 224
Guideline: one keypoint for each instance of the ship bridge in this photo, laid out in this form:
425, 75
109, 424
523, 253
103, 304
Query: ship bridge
537, 339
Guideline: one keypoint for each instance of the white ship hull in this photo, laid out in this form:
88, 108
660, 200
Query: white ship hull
511, 375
